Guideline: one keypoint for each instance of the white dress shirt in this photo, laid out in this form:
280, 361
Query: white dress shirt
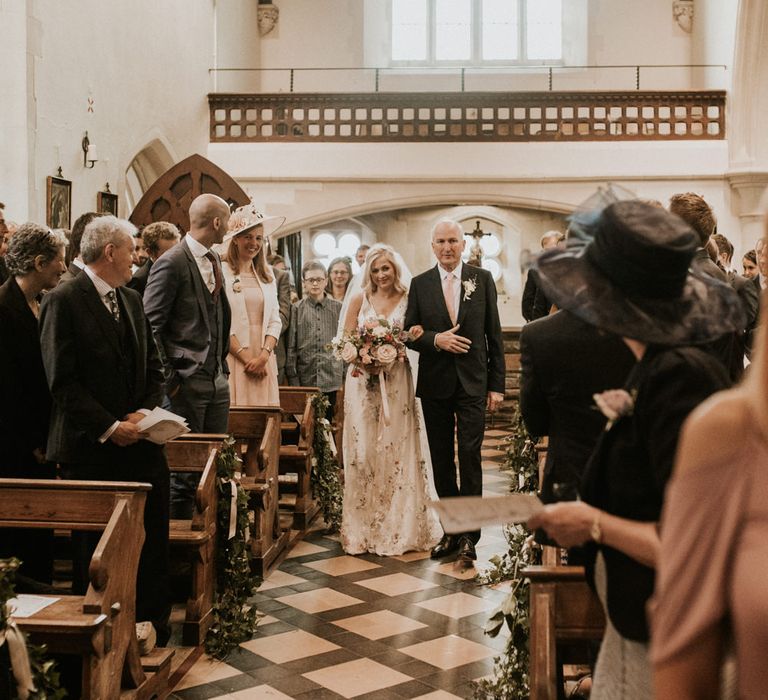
203, 264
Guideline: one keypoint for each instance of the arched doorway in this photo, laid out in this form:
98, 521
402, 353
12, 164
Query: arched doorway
169, 197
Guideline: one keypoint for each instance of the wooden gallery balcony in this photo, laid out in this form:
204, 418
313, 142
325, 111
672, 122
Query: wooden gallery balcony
467, 116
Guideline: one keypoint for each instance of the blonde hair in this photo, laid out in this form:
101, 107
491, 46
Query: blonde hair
378, 251
259, 263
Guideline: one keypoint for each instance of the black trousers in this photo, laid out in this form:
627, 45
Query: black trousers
462, 416
153, 601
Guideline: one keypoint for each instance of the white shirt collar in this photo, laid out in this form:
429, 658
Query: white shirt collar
78, 263
444, 273
102, 287
197, 249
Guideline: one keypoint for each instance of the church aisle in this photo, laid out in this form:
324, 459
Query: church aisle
366, 627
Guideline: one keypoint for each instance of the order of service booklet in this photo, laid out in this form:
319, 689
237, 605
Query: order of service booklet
161, 425
468, 513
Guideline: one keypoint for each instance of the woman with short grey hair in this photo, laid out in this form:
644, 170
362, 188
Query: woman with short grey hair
35, 262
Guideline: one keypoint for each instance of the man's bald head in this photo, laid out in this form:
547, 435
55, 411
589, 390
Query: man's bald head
208, 217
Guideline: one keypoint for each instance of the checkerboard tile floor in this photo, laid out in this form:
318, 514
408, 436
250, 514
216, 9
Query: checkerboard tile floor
366, 627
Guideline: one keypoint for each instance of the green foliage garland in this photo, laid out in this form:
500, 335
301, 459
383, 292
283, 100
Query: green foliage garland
325, 468
234, 619
510, 680
45, 674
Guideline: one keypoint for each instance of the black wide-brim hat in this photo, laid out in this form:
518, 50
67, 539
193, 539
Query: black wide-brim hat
629, 270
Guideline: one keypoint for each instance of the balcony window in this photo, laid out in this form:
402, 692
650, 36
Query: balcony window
476, 32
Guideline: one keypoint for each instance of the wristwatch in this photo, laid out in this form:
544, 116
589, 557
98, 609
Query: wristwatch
269, 350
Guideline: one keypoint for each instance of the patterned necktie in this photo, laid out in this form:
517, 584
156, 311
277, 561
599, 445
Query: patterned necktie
113, 306
448, 293
217, 282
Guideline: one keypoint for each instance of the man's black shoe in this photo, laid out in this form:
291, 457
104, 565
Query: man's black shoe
467, 552
444, 547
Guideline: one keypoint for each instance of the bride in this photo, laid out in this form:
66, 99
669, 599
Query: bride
387, 468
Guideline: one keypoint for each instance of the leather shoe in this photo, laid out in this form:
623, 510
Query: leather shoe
467, 552
444, 547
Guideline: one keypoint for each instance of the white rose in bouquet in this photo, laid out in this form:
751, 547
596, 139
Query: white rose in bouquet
380, 331
348, 353
386, 354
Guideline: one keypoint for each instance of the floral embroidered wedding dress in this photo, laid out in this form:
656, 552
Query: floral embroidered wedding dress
387, 485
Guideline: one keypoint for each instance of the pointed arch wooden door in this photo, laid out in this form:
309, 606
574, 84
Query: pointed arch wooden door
169, 197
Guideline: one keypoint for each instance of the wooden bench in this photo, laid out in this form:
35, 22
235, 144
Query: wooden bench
257, 429
296, 453
197, 454
100, 626
565, 615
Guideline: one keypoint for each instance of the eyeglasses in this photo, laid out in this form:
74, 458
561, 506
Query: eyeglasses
314, 280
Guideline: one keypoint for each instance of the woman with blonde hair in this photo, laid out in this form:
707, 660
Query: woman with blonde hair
252, 294
387, 467
710, 600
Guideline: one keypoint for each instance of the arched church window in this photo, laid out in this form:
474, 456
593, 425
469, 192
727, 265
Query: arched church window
328, 245
476, 32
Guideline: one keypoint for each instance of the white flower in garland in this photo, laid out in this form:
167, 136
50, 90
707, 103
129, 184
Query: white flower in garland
237, 287
470, 286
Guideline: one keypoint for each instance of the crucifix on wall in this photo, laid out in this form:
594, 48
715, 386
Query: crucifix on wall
476, 252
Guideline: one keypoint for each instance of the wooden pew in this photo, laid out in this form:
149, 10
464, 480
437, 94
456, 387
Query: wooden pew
565, 614
100, 626
198, 454
296, 455
257, 429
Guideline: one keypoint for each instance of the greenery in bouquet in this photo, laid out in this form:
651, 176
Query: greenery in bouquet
372, 347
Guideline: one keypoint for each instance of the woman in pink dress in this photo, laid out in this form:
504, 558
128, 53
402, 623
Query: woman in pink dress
710, 618
252, 294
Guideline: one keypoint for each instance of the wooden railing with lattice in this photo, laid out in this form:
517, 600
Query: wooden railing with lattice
467, 116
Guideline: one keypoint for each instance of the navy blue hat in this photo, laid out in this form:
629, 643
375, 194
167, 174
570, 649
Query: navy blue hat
630, 271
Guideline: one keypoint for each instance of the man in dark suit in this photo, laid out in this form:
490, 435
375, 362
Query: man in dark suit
535, 303
190, 316
104, 373
158, 238
76, 263
461, 368
564, 362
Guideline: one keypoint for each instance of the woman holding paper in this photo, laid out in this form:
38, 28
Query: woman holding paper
628, 274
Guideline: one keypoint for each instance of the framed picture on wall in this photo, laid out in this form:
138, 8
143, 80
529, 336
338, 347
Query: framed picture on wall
58, 198
107, 202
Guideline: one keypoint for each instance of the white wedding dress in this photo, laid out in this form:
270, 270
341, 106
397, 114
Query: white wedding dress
387, 469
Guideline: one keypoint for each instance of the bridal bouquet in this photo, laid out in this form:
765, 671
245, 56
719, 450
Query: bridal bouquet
373, 347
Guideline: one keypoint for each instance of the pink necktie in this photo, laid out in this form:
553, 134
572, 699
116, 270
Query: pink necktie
448, 294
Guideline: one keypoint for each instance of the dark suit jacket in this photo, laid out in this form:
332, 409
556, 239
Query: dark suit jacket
25, 406
749, 296
283, 283
564, 362
139, 280
174, 302
480, 370
628, 472
92, 382
4, 274
529, 295
71, 272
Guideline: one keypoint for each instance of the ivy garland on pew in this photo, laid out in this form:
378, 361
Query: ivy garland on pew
45, 675
510, 680
325, 467
234, 619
